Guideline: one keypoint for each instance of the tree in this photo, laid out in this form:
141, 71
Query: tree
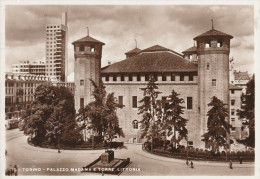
151, 123
248, 110
217, 125
48, 114
100, 114
173, 119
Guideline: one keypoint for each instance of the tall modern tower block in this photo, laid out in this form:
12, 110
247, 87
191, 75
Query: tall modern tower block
56, 50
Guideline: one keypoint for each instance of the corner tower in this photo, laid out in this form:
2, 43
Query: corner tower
87, 54
213, 49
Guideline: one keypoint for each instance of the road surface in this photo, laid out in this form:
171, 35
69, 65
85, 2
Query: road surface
39, 161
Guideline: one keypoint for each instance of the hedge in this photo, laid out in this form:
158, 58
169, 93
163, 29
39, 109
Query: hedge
199, 154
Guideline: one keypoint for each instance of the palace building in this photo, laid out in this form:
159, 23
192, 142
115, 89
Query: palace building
198, 75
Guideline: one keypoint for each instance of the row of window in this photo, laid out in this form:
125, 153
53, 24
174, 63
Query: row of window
53, 27
19, 84
164, 101
134, 102
208, 44
138, 77
82, 48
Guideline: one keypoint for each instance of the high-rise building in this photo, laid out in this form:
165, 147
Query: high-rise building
26, 67
56, 50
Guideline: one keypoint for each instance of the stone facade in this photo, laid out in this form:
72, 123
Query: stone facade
203, 72
88, 53
19, 92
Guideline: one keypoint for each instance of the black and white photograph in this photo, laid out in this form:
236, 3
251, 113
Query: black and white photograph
129, 88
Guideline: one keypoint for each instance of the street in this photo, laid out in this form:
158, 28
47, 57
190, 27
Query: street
39, 161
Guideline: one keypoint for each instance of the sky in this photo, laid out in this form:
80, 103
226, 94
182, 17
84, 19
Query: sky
171, 26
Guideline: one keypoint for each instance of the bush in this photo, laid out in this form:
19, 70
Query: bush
199, 154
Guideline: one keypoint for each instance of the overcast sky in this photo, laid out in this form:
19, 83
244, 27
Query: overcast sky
171, 26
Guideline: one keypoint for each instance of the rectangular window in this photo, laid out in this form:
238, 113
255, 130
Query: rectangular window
173, 77
233, 112
214, 82
164, 77
138, 77
232, 91
190, 143
107, 77
182, 78
155, 77
233, 119
190, 77
81, 102
232, 102
147, 100
81, 82
114, 77
233, 129
134, 101
146, 77
189, 102
122, 77
130, 77
164, 101
120, 100
81, 48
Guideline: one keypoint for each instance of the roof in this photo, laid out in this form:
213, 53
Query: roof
88, 39
213, 32
192, 49
241, 76
134, 51
233, 87
158, 48
153, 60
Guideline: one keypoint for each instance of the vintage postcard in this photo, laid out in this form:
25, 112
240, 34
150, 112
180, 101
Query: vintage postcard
142, 88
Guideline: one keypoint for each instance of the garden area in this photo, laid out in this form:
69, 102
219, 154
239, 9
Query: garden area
199, 154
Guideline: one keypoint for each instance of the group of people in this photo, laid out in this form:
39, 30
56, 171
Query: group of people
11, 170
189, 163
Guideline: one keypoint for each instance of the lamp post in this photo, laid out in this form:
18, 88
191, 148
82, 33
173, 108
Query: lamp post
187, 148
59, 133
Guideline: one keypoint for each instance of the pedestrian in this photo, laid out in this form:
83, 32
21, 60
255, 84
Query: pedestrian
191, 164
15, 170
187, 162
240, 160
102, 173
230, 164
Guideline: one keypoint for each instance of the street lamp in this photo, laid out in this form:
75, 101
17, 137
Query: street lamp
187, 147
59, 132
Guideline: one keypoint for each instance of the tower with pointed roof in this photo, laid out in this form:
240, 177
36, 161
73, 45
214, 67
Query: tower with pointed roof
87, 54
213, 49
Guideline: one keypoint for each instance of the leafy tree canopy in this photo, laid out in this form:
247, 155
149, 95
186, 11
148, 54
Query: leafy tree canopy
100, 114
248, 110
48, 114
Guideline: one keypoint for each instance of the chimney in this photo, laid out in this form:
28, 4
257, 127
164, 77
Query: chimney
109, 62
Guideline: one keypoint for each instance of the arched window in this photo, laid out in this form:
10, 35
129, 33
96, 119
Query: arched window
220, 43
208, 44
135, 124
208, 67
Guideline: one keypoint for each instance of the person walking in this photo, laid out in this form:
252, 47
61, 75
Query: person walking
230, 164
15, 170
191, 164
